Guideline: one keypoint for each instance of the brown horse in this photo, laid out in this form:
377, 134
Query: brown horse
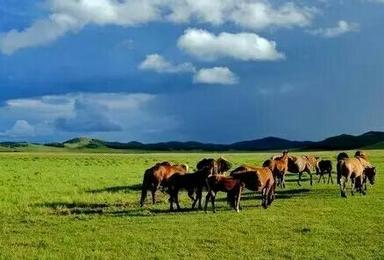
279, 167
299, 165
313, 161
192, 182
356, 169
157, 176
260, 180
233, 188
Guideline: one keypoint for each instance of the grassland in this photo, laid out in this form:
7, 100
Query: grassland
63, 205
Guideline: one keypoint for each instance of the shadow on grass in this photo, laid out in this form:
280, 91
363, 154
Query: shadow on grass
280, 194
77, 208
115, 189
134, 210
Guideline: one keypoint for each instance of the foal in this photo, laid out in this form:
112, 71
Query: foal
233, 188
192, 182
324, 167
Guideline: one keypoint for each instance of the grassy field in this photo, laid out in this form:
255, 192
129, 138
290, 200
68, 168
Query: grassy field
86, 206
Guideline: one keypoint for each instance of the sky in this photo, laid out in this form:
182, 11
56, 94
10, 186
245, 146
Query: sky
213, 71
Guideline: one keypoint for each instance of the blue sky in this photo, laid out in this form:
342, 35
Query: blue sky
213, 71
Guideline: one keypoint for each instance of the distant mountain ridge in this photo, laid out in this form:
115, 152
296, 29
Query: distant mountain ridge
369, 140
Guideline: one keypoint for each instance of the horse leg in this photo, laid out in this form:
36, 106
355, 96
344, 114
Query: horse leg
285, 173
264, 197
353, 186
310, 176
342, 186
144, 191
200, 195
213, 197
177, 199
298, 181
155, 187
330, 177
207, 200
319, 178
238, 199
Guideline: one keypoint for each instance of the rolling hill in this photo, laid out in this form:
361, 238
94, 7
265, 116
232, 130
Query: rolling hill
369, 140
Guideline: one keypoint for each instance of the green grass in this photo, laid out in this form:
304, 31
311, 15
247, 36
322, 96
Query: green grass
63, 205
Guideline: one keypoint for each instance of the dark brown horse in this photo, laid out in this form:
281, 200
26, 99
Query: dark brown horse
259, 180
324, 167
233, 187
158, 175
340, 157
192, 182
220, 166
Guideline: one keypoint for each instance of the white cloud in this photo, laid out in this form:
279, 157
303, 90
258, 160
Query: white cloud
216, 75
342, 27
260, 14
159, 64
72, 15
241, 46
21, 128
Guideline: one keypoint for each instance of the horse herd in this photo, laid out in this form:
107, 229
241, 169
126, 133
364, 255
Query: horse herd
210, 175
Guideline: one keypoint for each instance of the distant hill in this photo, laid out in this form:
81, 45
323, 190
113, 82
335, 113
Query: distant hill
346, 142
369, 140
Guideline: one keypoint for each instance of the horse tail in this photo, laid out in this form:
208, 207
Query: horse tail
144, 186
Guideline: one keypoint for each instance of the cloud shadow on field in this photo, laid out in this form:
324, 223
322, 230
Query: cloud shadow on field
115, 189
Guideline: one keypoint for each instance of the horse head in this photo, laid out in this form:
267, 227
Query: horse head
371, 174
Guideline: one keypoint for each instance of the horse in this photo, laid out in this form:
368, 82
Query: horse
299, 165
192, 182
370, 174
355, 169
341, 156
279, 167
233, 187
158, 175
312, 160
323, 167
220, 165
258, 179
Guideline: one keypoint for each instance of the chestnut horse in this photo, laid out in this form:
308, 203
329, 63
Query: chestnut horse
157, 176
233, 188
258, 179
279, 167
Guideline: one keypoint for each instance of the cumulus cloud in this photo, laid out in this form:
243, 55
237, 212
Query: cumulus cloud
21, 128
261, 14
342, 27
215, 75
73, 15
242, 46
158, 63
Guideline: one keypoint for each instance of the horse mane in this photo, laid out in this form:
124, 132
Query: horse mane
223, 165
361, 154
342, 156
